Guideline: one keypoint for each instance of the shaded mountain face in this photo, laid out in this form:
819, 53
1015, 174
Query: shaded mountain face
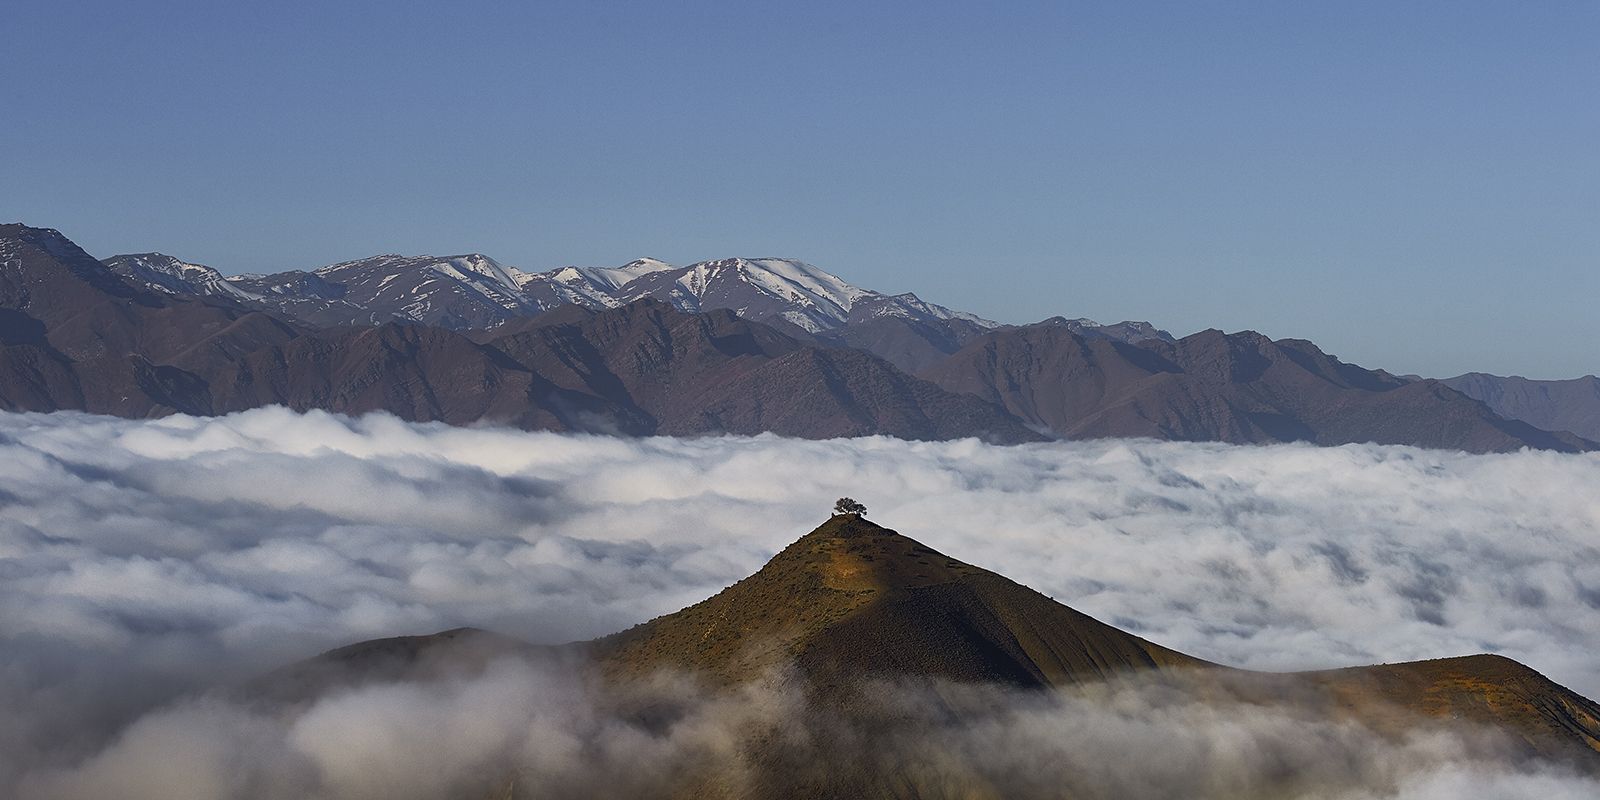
454, 292
1212, 386
718, 373
915, 345
150, 335
1570, 405
860, 662
80, 336
910, 344
1127, 331
642, 369
75, 335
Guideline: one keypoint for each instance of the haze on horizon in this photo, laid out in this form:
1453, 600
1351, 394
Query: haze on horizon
1411, 188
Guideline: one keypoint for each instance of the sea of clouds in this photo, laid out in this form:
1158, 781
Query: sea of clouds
143, 561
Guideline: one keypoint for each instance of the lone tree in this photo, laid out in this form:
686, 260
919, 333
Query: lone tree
847, 505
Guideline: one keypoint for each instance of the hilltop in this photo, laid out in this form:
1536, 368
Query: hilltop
853, 599
828, 629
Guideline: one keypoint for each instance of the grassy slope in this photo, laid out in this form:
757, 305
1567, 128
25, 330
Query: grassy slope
852, 599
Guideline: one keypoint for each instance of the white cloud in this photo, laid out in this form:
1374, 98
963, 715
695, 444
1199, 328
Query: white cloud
139, 559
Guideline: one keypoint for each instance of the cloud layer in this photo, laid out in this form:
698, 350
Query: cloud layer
142, 560
536, 725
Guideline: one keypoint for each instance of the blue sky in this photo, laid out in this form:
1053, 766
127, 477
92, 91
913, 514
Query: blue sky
1414, 186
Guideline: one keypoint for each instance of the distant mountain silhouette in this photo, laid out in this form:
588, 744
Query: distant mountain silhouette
1215, 386
1569, 405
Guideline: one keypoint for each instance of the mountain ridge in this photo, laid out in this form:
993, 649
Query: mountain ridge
1571, 405
871, 589
1239, 387
473, 291
79, 336
85, 335
852, 605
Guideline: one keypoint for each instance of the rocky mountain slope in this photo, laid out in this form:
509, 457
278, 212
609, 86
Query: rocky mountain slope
1215, 386
78, 336
150, 335
74, 335
1570, 405
474, 292
642, 369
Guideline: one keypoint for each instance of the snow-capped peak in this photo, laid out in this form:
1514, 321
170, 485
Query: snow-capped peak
761, 288
473, 290
909, 305
161, 264
607, 277
789, 275
805, 295
470, 267
483, 267
165, 273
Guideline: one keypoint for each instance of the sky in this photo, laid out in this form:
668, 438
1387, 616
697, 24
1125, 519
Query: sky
1412, 186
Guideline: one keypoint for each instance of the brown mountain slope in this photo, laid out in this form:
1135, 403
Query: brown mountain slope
715, 372
1212, 386
456, 653
74, 335
642, 369
1488, 690
1569, 405
856, 654
910, 344
853, 599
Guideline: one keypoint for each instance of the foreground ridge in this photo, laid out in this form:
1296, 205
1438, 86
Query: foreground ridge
853, 602
852, 598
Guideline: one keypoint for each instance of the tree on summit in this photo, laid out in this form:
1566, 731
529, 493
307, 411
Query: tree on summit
847, 505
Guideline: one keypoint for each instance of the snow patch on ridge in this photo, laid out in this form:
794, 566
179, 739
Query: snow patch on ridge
170, 275
475, 291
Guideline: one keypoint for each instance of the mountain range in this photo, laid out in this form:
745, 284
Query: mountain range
853, 607
1239, 387
1569, 405
475, 292
730, 346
